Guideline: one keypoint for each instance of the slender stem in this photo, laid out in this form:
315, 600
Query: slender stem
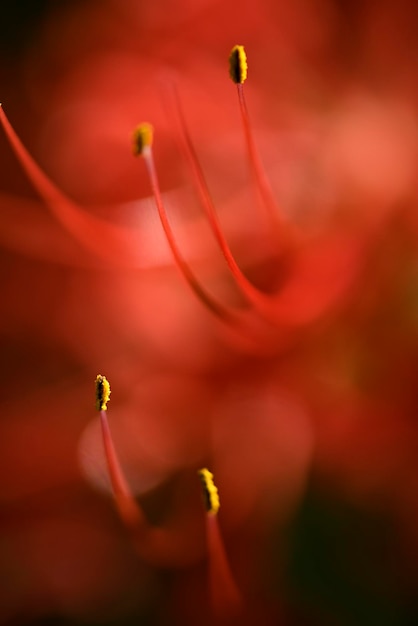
225, 596
220, 310
109, 242
128, 508
264, 304
257, 298
261, 181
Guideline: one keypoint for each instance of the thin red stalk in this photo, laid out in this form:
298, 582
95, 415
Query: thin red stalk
128, 508
221, 311
160, 546
261, 301
225, 596
106, 241
259, 175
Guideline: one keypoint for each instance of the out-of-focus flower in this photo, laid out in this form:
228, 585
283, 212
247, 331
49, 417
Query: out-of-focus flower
317, 386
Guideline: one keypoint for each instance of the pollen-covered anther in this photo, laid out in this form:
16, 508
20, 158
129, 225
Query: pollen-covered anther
238, 65
102, 392
142, 138
210, 492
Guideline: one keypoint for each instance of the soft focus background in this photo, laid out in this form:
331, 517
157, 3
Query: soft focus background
313, 433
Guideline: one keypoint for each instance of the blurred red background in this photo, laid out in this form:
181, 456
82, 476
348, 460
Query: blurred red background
312, 432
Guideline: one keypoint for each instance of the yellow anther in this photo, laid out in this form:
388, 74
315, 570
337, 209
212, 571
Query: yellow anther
238, 64
210, 492
142, 138
102, 392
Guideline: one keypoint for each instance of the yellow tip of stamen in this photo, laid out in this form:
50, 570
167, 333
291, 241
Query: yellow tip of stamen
102, 392
210, 492
238, 65
142, 138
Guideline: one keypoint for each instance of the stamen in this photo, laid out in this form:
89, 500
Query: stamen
210, 492
238, 65
128, 508
110, 242
102, 392
143, 137
143, 146
225, 596
238, 73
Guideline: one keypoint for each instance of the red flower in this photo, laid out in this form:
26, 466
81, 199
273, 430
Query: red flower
280, 364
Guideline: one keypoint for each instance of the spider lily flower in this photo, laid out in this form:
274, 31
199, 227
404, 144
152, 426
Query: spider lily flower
258, 322
259, 393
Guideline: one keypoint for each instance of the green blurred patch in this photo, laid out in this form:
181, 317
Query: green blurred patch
343, 567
